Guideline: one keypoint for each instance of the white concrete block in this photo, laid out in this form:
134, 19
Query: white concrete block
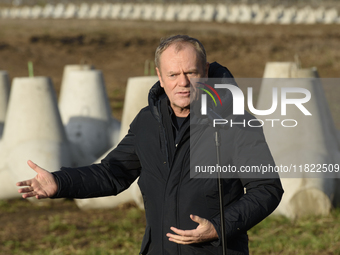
288, 16
59, 11
36, 12
106, 11
148, 12
319, 14
303, 15
331, 16
233, 14
274, 16
86, 113
136, 97
4, 96
126, 12
159, 12
48, 11
209, 12
221, 13
137, 12
83, 12
246, 14
95, 11
5, 13
196, 13
71, 11
172, 12
184, 12
262, 15
33, 131
116, 11
14, 13
311, 141
25, 13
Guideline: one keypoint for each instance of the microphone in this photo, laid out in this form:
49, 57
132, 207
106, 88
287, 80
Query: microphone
212, 116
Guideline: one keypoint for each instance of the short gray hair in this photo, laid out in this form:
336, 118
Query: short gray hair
180, 40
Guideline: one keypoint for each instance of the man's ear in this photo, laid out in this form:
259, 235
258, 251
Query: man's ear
207, 69
159, 77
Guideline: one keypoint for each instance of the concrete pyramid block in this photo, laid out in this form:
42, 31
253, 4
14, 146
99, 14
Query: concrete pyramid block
116, 11
209, 12
136, 97
59, 11
36, 12
33, 131
159, 12
149, 12
311, 141
221, 13
86, 114
70, 11
48, 11
106, 11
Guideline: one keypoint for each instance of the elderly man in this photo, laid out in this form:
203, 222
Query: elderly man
182, 212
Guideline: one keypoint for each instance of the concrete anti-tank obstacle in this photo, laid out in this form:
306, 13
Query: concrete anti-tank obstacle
221, 13
70, 11
83, 12
148, 12
116, 10
48, 11
4, 95
33, 131
136, 97
197, 13
209, 12
86, 114
36, 12
59, 11
106, 11
311, 141
159, 12
95, 11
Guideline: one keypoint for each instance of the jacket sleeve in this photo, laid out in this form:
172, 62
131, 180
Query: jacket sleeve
113, 175
263, 191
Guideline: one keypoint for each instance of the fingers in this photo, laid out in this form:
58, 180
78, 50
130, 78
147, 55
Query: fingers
25, 190
34, 166
180, 239
197, 219
24, 183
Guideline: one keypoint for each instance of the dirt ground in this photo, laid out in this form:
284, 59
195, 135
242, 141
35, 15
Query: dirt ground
120, 49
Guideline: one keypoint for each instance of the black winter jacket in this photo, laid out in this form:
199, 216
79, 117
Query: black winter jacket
149, 152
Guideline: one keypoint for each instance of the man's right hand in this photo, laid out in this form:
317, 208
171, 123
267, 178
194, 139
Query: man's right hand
43, 185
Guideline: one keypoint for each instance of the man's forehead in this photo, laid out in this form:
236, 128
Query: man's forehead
175, 48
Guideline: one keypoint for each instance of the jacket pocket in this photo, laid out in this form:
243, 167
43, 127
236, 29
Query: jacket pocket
146, 241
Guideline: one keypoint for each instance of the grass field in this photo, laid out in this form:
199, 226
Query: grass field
61, 228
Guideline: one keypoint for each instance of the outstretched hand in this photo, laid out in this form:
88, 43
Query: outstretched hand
204, 232
43, 185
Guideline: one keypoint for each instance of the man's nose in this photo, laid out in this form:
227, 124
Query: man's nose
184, 80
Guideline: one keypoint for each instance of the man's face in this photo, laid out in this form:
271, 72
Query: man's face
176, 69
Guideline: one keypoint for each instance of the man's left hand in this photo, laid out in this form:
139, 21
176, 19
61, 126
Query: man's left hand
204, 232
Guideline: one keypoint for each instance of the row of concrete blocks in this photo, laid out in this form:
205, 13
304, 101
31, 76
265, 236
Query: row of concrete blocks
33, 129
77, 130
186, 12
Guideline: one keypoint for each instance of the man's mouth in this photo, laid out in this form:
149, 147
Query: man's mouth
184, 93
